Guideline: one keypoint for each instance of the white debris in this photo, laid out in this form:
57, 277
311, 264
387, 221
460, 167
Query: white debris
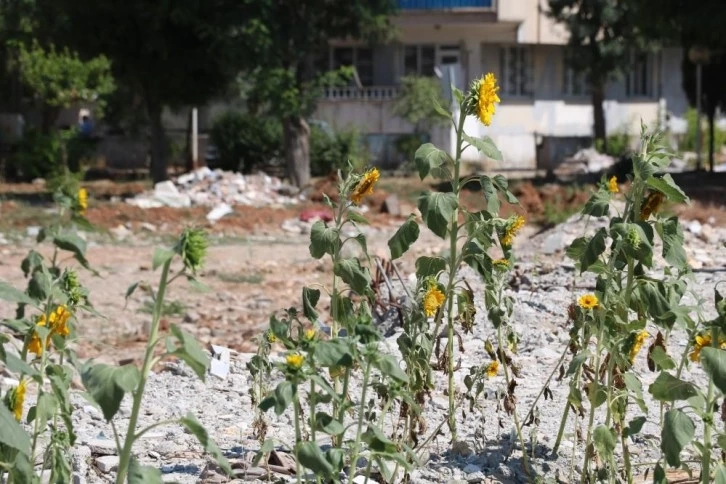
213, 188
219, 211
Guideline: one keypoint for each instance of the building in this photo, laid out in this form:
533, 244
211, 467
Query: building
545, 112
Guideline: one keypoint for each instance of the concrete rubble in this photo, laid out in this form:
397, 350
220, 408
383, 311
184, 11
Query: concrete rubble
587, 160
219, 189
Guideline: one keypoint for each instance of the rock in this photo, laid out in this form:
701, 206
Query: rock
38, 181
462, 448
391, 205
218, 368
708, 234
219, 211
471, 469
32, 230
313, 214
167, 193
191, 317
107, 463
476, 477
292, 226
694, 227
120, 232
553, 243
148, 227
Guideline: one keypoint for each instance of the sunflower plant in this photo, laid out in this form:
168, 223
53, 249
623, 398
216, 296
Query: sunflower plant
37, 350
634, 306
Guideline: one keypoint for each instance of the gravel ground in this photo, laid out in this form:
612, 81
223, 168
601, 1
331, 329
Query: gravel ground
486, 451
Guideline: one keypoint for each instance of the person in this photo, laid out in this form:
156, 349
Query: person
86, 126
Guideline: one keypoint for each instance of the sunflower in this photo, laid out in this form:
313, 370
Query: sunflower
652, 205
515, 225
638, 344
613, 185
294, 361
365, 186
82, 201
588, 301
19, 398
486, 98
492, 369
433, 299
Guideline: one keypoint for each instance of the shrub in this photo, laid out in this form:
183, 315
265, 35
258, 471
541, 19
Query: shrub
38, 155
689, 142
244, 140
618, 145
331, 151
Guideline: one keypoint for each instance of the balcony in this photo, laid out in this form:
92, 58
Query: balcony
445, 4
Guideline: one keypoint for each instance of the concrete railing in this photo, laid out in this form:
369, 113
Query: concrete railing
372, 93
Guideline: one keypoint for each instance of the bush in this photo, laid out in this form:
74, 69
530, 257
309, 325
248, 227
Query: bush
618, 145
332, 151
38, 155
689, 142
244, 140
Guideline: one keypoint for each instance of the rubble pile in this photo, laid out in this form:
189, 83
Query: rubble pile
218, 188
587, 160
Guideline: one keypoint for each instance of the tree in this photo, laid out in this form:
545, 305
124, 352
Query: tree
603, 36
291, 35
692, 24
173, 54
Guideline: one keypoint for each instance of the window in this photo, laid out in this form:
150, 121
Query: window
638, 82
574, 83
516, 71
359, 57
419, 60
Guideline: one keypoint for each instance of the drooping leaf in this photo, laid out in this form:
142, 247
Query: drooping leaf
490, 193
139, 474
437, 210
10, 294
667, 186
100, 381
323, 240
671, 233
190, 352
312, 458
598, 205
636, 388
634, 426
326, 423
388, 365
429, 266
661, 359
335, 352
12, 434
161, 256
210, 446
595, 247
353, 274
377, 440
714, 362
667, 387
430, 160
677, 432
404, 237
310, 298
72, 242
605, 441
357, 217
485, 146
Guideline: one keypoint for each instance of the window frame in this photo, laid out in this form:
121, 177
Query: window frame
526, 62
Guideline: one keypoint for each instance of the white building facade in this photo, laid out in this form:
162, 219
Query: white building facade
545, 110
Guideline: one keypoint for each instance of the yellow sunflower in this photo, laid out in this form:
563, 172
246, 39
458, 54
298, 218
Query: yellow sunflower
492, 369
638, 344
487, 98
613, 185
588, 301
432, 301
365, 186
513, 229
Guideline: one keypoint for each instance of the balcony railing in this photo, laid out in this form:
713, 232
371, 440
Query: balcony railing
443, 4
372, 93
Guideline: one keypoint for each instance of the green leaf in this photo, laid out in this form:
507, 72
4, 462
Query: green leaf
437, 210
490, 193
71, 242
139, 474
667, 186
131, 289
326, 423
31, 262
661, 359
43, 410
312, 457
161, 256
605, 441
677, 432
389, 366
16, 365
284, 393
323, 240
127, 377
310, 298
353, 274
377, 440
10, 294
355, 216
429, 266
634, 426
659, 475
577, 362
598, 205
404, 237
430, 160
714, 362
12, 433
577, 248
210, 446
720, 476
671, 233
595, 247
502, 184
636, 388
100, 381
190, 352
335, 352
667, 387
485, 146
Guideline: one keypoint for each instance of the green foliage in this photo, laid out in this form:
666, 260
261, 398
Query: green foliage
61, 78
245, 140
618, 144
38, 155
688, 143
330, 152
417, 103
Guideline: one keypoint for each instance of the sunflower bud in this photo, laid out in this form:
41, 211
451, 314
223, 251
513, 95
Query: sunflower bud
633, 238
192, 247
72, 287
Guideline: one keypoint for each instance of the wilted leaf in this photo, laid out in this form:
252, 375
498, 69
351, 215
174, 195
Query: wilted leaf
667, 387
404, 237
323, 240
430, 159
677, 432
437, 210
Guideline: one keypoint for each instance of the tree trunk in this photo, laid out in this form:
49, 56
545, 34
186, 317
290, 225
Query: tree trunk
711, 140
158, 143
598, 113
297, 150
